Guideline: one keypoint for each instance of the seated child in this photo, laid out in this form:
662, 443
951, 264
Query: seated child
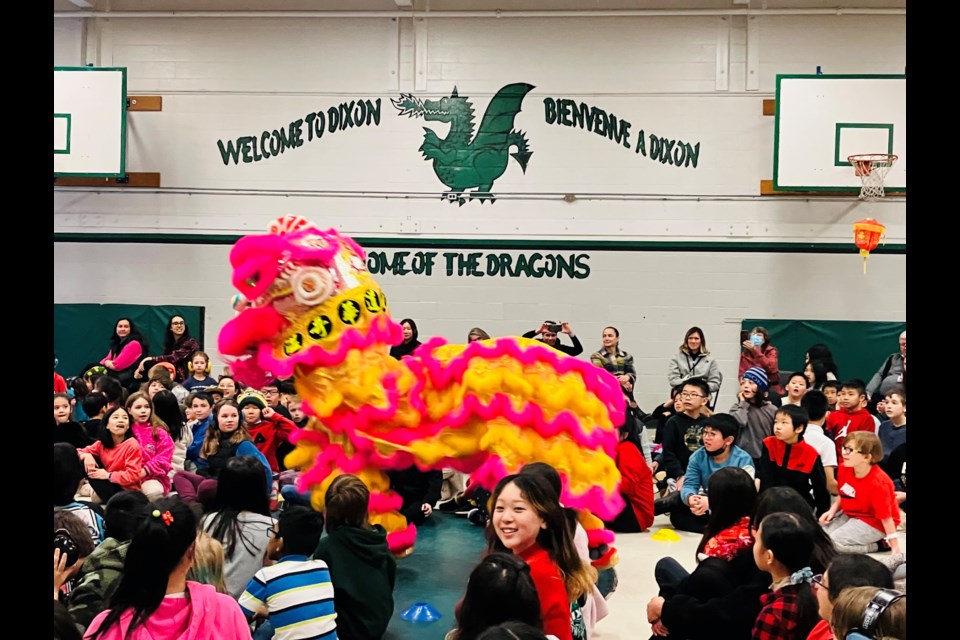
295, 593
784, 546
893, 430
851, 415
200, 367
831, 389
361, 566
268, 429
863, 613
789, 461
866, 511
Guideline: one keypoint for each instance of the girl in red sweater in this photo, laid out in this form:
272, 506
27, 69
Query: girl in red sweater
113, 462
529, 522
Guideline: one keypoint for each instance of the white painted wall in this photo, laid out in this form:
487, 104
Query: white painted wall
67, 43
694, 78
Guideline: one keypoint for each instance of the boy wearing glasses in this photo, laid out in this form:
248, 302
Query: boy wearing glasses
866, 512
682, 432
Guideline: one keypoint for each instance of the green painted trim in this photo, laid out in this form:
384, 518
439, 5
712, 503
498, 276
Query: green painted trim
123, 121
123, 125
447, 243
776, 130
67, 117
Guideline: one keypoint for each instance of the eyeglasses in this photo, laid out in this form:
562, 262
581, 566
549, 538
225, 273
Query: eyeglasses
687, 394
818, 580
178, 323
848, 450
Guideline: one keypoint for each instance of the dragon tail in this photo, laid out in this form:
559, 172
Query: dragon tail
522, 155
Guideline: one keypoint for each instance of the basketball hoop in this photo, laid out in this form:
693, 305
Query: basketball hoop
872, 169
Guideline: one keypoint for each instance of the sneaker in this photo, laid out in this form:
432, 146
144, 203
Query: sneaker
661, 480
883, 545
477, 517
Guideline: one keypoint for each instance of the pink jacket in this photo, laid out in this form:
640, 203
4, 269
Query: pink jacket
156, 455
206, 615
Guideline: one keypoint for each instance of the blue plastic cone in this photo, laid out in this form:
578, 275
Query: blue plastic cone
420, 612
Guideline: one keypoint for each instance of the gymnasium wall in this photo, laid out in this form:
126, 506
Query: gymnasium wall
662, 235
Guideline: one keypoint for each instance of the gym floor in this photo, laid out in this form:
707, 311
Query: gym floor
448, 547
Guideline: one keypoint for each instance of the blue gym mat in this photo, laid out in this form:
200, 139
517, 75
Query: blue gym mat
447, 549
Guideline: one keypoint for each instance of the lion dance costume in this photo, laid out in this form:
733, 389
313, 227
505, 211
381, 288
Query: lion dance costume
309, 308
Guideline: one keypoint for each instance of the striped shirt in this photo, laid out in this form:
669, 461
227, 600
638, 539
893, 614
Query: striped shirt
297, 595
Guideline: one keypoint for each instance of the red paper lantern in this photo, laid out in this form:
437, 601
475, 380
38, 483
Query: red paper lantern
867, 234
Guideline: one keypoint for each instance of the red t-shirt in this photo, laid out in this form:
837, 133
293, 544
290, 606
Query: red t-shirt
870, 498
554, 604
636, 482
821, 632
842, 423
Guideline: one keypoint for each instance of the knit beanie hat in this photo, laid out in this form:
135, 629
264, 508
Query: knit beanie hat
759, 376
251, 396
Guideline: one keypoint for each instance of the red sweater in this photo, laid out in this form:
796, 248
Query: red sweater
870, 498
842, 423
554, 603
268, 434
122, 461
636, 482
821, 632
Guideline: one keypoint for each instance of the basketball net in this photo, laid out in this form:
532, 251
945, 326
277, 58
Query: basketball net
872, 168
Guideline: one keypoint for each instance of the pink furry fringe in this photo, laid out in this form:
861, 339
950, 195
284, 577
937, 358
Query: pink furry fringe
401, 540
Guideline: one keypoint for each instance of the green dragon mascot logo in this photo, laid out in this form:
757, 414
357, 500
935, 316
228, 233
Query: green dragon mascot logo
463, 160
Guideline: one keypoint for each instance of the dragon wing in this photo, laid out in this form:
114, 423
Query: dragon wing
498, 119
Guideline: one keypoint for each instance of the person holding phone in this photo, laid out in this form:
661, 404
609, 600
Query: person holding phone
548, 334
756, 351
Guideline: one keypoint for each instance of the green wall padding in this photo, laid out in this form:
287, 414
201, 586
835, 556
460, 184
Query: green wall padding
81, 332
859, 348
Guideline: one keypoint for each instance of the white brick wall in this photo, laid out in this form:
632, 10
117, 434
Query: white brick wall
223, 78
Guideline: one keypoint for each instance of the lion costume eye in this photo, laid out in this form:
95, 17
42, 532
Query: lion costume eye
311, 285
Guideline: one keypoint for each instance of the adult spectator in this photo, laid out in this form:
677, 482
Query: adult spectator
127, 345
178, 349
890, 374
694, 361
549, 336
410, 339
617, 362
756, 351
477, 334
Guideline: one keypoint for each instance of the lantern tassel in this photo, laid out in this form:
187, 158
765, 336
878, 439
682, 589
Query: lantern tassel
865, 254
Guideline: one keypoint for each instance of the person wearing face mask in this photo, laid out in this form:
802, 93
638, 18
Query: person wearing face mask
689, 508
756, 351
549, 334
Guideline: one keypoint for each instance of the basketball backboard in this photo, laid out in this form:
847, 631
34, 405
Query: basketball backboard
89, 121
823, 119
